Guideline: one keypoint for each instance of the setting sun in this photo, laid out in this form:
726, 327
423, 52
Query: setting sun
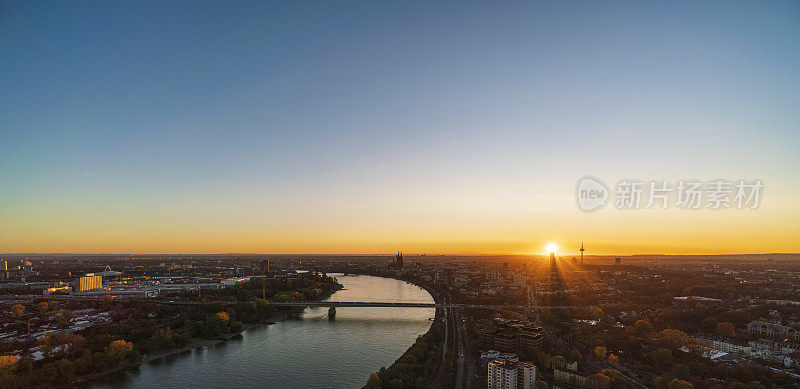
551, 248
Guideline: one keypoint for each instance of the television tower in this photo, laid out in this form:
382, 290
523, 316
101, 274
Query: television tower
582, 250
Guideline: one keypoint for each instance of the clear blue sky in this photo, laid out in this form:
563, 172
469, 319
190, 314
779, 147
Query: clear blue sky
269, 126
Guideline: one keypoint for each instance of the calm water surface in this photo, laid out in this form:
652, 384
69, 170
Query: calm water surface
306, 351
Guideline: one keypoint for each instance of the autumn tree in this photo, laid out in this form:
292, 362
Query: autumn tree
665, 319
71, 344
7, 363
608, 373
642, 328
215, 323
118, 350
725, 329
45, 344
598, 381
679, 384
594, 312
261, 305
673, 339
374, 382
600, 352
17, 311
222, 317
613, 360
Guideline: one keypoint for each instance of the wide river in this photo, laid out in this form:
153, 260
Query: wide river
304, 351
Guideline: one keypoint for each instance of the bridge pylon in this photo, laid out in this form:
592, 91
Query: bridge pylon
331, 313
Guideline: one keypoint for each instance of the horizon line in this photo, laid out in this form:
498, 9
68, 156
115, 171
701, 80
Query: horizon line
475, 254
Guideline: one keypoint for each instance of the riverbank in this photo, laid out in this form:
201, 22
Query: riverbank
277, 314
288, 350
196, 343
405, 371
193, 344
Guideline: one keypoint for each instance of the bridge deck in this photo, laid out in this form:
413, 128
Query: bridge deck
370, 304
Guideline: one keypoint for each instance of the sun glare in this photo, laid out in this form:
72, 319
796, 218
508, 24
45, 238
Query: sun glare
551, 248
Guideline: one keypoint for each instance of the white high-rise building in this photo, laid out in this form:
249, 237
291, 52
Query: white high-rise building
502, 375
526, 375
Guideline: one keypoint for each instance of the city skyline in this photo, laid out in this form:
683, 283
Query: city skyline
400, 195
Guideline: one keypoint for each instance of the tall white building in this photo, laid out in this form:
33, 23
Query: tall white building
502, 375
508, 373
526, 375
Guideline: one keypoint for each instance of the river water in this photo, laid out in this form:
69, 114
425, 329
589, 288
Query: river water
305, 351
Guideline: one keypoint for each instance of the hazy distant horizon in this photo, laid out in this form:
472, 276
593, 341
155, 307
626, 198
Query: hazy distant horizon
466, 255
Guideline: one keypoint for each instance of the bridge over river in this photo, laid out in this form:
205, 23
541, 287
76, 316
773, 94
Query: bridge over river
332, 305
378, 304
